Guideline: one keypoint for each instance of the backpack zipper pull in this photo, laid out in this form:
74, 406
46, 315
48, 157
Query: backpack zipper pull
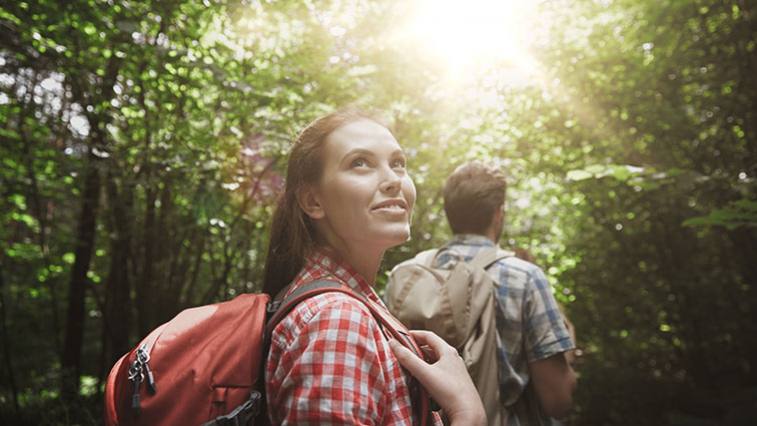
136, 376
144, 359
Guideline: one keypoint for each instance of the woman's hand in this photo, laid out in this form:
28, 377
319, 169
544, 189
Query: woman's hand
445, 378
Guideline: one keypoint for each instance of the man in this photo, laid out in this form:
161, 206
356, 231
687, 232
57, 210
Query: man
535, 377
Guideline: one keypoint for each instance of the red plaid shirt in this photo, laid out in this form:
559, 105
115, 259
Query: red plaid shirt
330, 363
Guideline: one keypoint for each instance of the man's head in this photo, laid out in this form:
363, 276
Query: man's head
474, 199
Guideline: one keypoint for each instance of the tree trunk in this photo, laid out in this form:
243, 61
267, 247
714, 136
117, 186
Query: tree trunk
7, 357
168, 246
145, 317
118, 290
745, 241
85, 243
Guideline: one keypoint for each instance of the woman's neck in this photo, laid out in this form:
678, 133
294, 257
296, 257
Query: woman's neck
365, 262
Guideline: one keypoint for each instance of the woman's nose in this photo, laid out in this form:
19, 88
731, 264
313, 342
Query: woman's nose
391, 181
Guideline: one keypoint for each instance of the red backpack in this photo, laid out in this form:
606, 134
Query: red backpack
206, 365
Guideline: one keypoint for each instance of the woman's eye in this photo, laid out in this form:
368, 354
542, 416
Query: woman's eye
398, 164
359, 162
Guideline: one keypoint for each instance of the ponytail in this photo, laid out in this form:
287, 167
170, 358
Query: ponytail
291, 239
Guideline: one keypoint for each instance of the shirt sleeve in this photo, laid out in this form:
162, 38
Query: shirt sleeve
334, 370
545, 332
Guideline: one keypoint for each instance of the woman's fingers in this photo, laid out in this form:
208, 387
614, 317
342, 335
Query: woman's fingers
433, 341
408, 359
426, 337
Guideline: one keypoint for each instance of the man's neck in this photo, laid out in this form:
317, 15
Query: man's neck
472, 235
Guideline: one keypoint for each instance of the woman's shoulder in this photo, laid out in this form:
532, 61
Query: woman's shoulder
324, 312
332, 303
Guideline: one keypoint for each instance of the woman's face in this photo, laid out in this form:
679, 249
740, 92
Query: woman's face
365, 196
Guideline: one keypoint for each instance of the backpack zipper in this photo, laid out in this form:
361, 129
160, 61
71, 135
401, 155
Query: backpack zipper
138, 372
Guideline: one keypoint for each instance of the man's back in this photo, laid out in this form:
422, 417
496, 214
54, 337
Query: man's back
529, 324
534, 376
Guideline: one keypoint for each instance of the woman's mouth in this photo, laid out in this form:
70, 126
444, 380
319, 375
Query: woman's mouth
396, 205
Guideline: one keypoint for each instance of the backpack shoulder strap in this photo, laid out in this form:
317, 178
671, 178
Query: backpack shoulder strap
279, 309
486, 257
426, 257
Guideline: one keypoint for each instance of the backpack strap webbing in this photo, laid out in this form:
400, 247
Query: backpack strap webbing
282, 308
486, 257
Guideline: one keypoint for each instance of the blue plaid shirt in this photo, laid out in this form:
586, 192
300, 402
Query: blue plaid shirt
529, 323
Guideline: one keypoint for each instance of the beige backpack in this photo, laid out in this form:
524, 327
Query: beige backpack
458, 305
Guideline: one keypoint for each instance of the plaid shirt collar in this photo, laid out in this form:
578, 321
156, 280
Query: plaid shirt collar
323, 264
471, 240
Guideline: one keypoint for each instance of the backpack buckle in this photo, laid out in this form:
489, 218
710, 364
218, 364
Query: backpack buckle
241, 415
272, 307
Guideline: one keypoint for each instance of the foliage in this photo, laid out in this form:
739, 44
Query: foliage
738, 213
143, 145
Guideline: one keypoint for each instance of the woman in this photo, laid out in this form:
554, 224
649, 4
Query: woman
348, 198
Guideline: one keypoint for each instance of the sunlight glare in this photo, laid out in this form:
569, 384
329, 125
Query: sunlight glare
467, 36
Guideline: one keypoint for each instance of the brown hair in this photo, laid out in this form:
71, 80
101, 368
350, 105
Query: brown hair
292, 233
472, 194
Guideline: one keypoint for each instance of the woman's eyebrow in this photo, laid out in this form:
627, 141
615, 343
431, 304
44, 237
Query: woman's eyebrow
369, 153
358, 151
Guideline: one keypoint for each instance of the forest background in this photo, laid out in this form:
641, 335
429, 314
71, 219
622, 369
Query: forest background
143, 144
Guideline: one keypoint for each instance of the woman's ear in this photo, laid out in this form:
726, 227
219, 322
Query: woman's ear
309, 203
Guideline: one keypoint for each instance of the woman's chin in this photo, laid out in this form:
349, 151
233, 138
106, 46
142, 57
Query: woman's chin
395, 238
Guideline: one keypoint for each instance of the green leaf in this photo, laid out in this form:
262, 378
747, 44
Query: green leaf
26, 219
741, 213
578, 175
4, 14
10, 134
19, 200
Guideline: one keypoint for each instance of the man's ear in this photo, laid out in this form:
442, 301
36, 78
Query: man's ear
309, 202
499, 217
495, 228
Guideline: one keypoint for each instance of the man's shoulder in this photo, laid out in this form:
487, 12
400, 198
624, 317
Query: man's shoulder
517, 264
513, 272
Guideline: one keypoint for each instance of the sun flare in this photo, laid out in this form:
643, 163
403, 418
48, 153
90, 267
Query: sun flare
466, 36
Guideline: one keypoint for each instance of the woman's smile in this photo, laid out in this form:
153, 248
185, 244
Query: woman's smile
393, 207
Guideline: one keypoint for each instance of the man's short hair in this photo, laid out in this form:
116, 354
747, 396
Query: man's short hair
472, 194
